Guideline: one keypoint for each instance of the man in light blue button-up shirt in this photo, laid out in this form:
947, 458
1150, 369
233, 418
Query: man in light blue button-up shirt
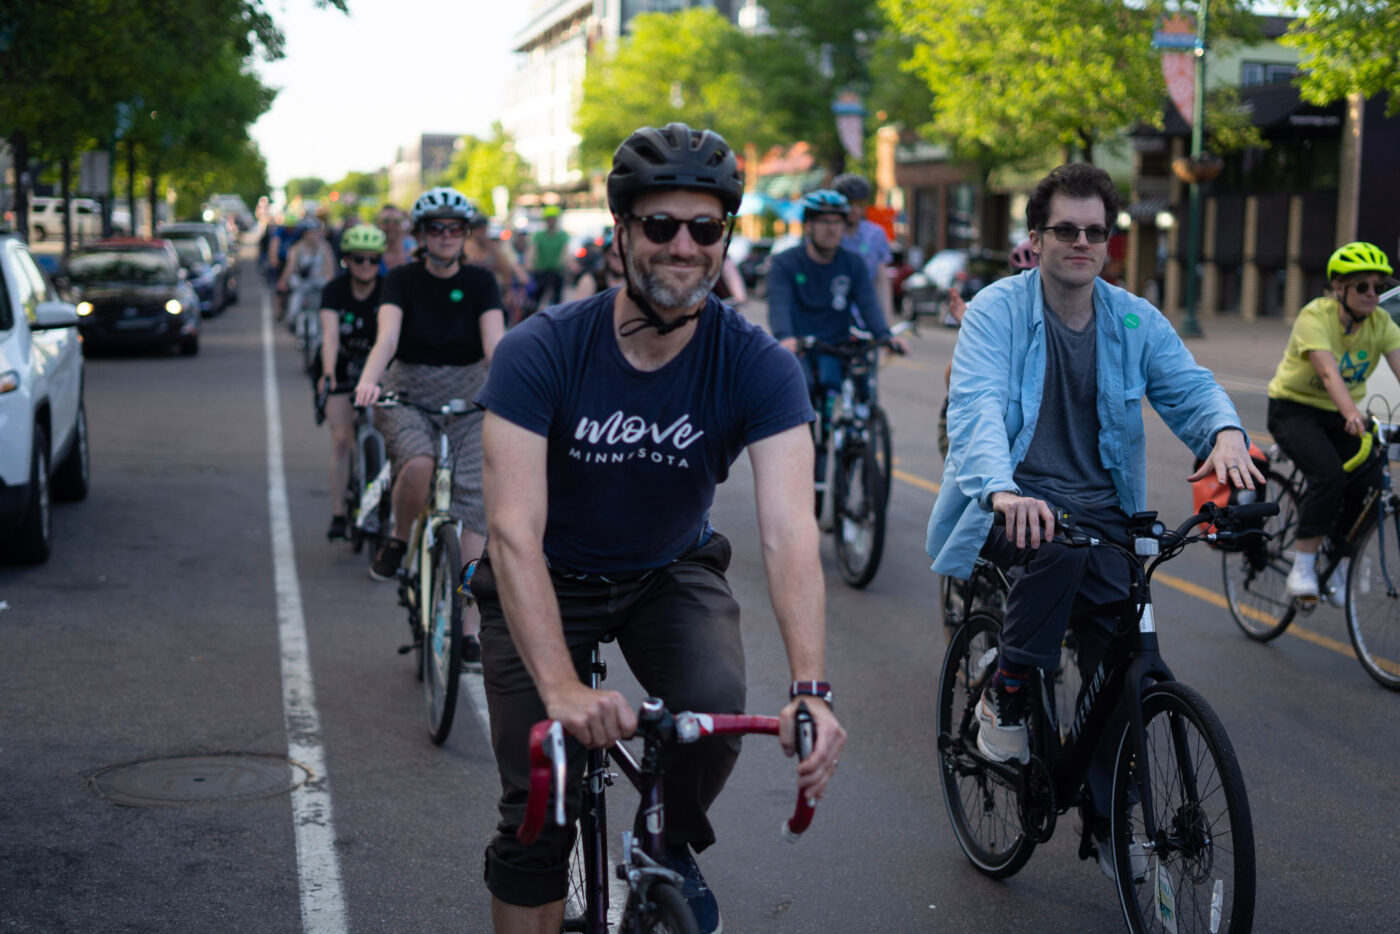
1045, 409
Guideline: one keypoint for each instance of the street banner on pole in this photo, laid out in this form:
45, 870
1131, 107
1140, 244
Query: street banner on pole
1175, 36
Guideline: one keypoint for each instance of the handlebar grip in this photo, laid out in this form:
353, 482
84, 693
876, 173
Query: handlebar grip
547, 768
1255, 510
801, 818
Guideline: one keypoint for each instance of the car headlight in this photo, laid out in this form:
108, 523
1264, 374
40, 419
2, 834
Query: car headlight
174, 307
9, 381
84, 309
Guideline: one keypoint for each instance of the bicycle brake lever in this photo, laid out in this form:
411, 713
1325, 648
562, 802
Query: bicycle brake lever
554, 749
801, 818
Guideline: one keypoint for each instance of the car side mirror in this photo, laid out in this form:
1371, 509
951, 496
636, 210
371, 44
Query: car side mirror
50, 316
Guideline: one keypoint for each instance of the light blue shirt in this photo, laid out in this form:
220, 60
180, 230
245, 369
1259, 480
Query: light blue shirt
994, 403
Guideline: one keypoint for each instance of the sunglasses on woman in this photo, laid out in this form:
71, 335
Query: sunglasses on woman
1365, 287
662, 228
447, 229
364, 259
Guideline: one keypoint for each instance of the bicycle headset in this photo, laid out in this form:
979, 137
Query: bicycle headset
674, 157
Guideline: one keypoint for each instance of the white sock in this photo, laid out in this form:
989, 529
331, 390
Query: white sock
1305, 560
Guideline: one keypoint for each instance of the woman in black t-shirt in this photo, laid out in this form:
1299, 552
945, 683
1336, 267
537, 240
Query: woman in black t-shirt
439, 321
349, 306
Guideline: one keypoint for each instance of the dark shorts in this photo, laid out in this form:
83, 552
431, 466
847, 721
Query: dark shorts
678, 628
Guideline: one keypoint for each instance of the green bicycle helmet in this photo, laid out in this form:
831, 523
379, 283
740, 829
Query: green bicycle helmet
1358, 257
362, 238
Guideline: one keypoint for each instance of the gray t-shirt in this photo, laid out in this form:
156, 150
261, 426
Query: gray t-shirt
1062, 464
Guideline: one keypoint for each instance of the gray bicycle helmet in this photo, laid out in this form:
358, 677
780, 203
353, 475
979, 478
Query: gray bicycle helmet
442, 204
854, 187
654, 159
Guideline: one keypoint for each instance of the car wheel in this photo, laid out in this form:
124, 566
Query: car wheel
189, 346
33, 540
70, 480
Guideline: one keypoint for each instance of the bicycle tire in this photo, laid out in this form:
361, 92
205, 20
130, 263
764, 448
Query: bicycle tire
442, 642
859, 512
663, 911
1206, 879
983, 811
1256, 577
1373, 604
372, 450
354, 485
882, 443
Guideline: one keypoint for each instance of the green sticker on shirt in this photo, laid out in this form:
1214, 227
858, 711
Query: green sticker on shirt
1131, 320
1361, 355
801, 279
455, 295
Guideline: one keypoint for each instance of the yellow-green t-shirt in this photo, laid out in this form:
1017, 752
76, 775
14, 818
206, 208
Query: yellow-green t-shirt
1358, 353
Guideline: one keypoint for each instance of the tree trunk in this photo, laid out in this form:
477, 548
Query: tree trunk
19, 149
155, 187
131, 182
65, 172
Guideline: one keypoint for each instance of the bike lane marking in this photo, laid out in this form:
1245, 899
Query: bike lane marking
318, 866
1201, 593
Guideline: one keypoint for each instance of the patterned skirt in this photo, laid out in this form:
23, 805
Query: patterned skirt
409, 433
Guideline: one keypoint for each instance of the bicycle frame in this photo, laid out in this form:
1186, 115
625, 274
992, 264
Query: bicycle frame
848, 424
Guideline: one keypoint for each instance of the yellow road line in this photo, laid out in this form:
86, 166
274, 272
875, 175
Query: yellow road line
1207, 595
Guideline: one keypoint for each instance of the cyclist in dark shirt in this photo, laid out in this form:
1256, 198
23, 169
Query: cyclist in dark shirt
609, 423
349, 306
439, 321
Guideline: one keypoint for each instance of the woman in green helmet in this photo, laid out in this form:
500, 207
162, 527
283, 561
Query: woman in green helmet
1313, 405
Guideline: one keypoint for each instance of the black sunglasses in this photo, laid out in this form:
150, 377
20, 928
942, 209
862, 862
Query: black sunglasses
1068, 233
662, 228
363, 259
1365, 287
449, 228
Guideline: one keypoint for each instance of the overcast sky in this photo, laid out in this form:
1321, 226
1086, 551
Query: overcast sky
354, 88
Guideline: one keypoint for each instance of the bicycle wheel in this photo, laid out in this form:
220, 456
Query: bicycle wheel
1197, 874
442, 643
663, 911
882, 444
576, 895
1373, 602
354, 485
1256, 578
1067, 682
860, 516
982, 806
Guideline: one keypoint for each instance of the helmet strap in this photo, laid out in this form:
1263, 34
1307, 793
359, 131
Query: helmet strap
650, 319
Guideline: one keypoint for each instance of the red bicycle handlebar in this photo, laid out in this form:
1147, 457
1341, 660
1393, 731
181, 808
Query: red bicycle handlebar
548, 772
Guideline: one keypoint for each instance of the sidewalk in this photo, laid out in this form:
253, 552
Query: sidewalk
1250, 349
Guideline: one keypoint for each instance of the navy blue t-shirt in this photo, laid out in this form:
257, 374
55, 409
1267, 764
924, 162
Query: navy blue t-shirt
808, 298
634, 457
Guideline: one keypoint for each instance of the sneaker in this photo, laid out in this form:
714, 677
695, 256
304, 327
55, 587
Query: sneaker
1337, 584
471, 653
1302, 582
385, 566
1137, 855
697, 894
1001, 719
339, 530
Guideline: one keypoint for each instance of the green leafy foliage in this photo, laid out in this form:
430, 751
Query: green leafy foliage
481, 165
1348, 47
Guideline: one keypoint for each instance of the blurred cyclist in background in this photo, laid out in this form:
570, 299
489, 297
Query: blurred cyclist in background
867, 240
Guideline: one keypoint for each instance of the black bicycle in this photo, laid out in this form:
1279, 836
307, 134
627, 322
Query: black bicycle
853, 434
654, 902
1179, 823
1256, 575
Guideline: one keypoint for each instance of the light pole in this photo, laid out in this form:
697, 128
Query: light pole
1191, 325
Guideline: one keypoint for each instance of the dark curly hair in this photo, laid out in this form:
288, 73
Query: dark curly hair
1075, 180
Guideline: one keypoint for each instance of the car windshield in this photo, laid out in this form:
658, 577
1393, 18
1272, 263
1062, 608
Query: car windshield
175, 236
140, 267
191, 252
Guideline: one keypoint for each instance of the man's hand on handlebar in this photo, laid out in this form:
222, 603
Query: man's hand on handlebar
1028, 520
897, 344
791, 344
594, 718
366, 394
816, 771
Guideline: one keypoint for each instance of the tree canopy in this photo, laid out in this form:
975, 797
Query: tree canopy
482, 165
1348, 47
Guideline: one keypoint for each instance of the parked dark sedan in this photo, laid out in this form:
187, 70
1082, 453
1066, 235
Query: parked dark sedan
203, 274
223, 248
133, 292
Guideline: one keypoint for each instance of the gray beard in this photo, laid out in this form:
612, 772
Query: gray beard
661, 295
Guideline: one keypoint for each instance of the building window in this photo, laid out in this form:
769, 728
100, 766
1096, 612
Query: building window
1253, 74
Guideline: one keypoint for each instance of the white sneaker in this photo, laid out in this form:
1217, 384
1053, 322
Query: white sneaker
1302, 582
1137, 856
1001, 734
1337, 584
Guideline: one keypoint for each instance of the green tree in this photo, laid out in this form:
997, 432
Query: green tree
688, 66
1349, 47
481, 165
306, 187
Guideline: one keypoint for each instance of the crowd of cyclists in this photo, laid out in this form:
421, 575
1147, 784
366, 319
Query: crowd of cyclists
584, 479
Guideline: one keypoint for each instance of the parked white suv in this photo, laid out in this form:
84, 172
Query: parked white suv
46, 218
43, 428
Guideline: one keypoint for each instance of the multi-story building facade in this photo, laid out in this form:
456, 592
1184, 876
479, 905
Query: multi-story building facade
542, 99
418, 164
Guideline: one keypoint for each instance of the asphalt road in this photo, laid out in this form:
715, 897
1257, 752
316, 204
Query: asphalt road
168, 616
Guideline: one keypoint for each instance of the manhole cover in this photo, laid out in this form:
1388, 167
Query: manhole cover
196, 779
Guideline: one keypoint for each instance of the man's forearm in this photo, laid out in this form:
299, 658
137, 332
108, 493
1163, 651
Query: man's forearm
532, 613
795, 584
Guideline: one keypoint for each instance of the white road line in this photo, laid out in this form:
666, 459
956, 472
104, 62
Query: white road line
318, 867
